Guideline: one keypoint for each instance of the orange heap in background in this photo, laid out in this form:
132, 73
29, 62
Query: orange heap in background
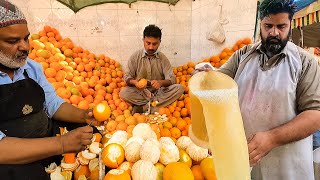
84, 79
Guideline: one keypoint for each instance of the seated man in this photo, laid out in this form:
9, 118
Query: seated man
154, 66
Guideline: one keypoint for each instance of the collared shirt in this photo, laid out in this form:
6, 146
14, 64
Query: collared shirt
2, 135
157, 67
35, 72
308, 94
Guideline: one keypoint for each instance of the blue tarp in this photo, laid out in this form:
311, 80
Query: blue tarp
303, 3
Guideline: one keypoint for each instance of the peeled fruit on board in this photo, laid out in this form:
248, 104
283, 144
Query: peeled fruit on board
150, 151
143, 130
117, 174
169, 152
218, 97
101, 112
113, 155
177, 170
183, 142
142, 170
207, 168
197, 153
132, 152
185, 158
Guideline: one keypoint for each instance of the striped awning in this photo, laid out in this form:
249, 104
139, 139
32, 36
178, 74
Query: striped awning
306, 20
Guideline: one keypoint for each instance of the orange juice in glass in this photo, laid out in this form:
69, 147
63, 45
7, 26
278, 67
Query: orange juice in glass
214, 98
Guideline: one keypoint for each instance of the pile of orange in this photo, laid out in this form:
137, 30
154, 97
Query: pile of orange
226, 53
84, 79
79, 76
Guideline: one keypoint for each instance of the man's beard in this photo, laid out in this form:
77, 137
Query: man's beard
13, 62
273, 44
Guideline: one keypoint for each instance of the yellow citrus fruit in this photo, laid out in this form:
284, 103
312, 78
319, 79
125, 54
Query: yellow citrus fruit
101, 112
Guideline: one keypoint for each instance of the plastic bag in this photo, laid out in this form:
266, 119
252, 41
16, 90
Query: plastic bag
217, 34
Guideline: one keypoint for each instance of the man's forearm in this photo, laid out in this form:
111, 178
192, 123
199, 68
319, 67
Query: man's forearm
131, 82
165, 83
302, 126
23, 151
69, 113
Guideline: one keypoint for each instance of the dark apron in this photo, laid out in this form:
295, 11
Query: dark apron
23, 116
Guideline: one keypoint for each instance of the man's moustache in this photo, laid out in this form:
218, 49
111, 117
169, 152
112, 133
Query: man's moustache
22, 53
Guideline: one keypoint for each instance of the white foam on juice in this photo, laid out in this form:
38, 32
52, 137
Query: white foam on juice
217, 96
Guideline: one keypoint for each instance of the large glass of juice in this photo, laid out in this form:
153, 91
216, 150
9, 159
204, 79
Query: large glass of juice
218, 97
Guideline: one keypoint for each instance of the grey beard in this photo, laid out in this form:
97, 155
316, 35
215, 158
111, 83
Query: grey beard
12, 63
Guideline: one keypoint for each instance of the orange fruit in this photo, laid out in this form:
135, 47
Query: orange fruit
141, 119
101, 112
197, 173
185, 158
181, 124
115, 174
167, 125
113, 155
177, 170
130, 120
122, 126
173, 121
165, 132
175, 132
111, 125
207, 168
94, 174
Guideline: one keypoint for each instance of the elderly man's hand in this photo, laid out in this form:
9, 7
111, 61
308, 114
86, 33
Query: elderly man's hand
259, 145
77, 139
90, 120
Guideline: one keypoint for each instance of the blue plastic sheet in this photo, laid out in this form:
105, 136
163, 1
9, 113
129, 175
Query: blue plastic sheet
303, 3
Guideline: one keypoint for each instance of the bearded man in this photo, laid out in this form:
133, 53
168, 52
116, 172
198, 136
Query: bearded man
30, 109
279, 96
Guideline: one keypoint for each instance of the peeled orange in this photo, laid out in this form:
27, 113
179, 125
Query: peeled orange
101, 112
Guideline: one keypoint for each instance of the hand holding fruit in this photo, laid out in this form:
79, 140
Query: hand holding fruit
77, 139
90, 120
141, 84
156, 84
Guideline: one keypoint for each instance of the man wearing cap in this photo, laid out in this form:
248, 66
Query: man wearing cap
154, 66
27, 101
